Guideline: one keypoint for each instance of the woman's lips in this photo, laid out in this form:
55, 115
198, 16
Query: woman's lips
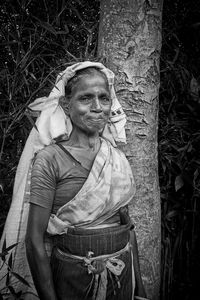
99, 121
96, 119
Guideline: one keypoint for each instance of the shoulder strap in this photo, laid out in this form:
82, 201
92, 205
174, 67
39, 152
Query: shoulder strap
68, 153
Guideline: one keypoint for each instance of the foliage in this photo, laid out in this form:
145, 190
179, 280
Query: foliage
179, 141
6, 258
35, 45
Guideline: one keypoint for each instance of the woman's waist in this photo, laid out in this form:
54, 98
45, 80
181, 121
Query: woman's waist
79, 241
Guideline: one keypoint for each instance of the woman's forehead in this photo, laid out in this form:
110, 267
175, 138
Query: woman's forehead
91, 81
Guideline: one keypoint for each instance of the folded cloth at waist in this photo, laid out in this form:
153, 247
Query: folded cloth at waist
116, 268
99, 266
90, 258
79, 241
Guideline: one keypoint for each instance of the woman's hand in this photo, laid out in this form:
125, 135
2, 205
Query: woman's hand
139, 287
36, 253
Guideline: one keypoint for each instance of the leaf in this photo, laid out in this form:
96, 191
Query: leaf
196, 173
4, 246
171, 214
11, 247
7, 279
179, 183
32, 75
10, 261
20, 278
61, 32
1, 187
194, 86
4, 251
12, 290
46, 26
31, 121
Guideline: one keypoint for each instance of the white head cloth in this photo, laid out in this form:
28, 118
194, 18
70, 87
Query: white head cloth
51, 123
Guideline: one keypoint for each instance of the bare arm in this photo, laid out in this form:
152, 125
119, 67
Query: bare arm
139, 288
36, 253
125, 218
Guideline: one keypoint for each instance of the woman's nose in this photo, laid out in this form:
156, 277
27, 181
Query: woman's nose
96, 105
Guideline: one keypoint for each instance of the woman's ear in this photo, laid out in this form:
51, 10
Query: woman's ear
64, 103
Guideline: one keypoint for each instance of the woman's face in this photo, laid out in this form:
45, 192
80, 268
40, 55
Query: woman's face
90, 104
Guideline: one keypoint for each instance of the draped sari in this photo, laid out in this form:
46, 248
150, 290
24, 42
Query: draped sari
109, 186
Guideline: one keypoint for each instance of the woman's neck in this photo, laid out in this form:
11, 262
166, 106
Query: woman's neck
81, 139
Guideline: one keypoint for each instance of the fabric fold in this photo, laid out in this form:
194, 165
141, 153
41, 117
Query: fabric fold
109, 186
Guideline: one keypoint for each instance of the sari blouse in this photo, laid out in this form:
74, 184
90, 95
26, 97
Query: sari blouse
55, 178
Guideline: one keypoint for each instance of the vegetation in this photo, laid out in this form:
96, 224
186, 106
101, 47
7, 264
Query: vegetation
37, 42
179, 141
7, 258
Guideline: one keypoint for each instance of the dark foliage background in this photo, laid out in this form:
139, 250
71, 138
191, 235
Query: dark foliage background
39, 38
179, 144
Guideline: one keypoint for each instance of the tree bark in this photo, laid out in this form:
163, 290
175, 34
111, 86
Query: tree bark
130, 44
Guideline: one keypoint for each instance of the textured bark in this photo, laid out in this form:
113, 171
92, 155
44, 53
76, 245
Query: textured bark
130, 43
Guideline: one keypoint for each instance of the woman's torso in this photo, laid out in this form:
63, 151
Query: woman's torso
56, 178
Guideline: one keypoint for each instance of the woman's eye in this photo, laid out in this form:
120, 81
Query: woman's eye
85, 99
105, 99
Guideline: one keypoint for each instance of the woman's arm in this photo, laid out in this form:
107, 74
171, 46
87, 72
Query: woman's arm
139, 287
36, 253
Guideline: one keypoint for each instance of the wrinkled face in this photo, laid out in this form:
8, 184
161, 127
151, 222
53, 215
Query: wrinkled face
90, 104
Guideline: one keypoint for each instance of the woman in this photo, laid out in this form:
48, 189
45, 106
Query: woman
81, 186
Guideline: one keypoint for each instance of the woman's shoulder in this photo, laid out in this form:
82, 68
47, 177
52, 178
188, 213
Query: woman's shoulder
47, 153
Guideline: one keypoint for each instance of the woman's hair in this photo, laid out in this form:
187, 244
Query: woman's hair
91, 71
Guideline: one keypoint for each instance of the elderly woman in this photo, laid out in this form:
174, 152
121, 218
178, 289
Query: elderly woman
81, 185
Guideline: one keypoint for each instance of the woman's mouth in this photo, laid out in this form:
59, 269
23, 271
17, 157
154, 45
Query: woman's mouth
97, 122
96, 119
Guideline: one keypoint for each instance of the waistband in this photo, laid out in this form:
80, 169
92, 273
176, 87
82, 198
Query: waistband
99, 241
79, 241
89, 258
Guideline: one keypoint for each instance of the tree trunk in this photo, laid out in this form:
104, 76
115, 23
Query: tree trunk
130, 43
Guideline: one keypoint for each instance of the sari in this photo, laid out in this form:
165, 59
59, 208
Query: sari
109, 186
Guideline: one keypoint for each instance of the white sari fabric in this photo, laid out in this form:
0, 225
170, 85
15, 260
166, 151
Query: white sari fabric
109, 186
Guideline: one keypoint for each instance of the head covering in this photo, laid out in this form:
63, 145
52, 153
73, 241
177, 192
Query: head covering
51, 123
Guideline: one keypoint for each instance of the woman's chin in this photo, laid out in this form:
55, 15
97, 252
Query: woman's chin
95, 128
91, 128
